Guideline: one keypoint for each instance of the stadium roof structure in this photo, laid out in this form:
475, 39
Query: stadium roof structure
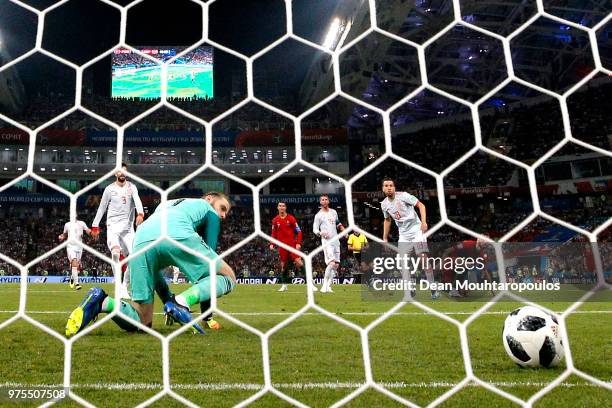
549, 54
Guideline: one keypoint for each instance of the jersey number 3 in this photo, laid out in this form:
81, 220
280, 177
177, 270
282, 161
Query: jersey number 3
397, 215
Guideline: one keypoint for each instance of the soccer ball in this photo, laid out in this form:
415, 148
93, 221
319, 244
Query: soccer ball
531, 338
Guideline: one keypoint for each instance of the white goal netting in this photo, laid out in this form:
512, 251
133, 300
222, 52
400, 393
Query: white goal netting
462, 326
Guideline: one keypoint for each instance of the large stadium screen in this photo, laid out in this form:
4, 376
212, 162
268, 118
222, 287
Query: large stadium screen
190, 75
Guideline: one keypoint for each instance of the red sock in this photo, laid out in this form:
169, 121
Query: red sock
124, 266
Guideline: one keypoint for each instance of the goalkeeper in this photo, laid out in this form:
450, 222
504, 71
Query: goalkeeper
185, 217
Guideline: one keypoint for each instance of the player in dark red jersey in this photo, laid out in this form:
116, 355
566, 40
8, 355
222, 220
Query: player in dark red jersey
472, 248
285, 228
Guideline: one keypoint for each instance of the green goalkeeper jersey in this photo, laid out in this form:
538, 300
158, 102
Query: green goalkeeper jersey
185, 217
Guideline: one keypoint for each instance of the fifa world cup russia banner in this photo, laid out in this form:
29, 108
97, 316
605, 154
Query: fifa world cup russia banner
224, 138
175, 138
247, 199
146, 138
34, 198
313, 137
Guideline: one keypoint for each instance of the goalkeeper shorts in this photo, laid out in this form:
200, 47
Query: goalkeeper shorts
146, 268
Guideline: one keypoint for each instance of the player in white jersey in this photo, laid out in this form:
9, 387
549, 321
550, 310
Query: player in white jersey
123, 204
326, 225
400, 206
73, 231
176, 272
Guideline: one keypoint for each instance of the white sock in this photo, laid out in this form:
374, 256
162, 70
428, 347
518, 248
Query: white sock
180, 299
329, 273
126, 277
332, 275
430, 278
105, 303
115, 258
430, 275
75, 275
406, 277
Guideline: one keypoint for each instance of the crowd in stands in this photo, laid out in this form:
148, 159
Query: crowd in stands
489, 214
435, 147
481, 170
122, 109
530, 231
42, 108
605, 250
431, 130
163, 119
35, 232
448, 234
406, 178
590, 113
571, 262
522, 131
252, 116
587, 211
574, 259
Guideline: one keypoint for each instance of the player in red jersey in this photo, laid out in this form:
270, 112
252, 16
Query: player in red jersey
470, 248
285, 228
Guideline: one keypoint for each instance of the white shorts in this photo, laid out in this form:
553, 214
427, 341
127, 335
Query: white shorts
414, 242
122, 239
332, 253
74, 253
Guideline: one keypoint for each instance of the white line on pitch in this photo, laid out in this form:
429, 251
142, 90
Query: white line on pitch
299, 386
318, 314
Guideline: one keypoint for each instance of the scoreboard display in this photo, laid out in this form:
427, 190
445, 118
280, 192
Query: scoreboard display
190, 75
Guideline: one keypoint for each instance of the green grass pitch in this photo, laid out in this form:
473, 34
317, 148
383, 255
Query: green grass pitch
313, 359
145, 82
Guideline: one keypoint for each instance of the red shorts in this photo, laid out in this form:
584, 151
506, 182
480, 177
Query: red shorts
284, 255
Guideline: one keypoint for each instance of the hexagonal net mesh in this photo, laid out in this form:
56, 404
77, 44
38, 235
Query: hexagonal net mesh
457, 23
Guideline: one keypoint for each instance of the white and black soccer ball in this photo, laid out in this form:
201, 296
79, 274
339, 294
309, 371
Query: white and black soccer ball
532, 338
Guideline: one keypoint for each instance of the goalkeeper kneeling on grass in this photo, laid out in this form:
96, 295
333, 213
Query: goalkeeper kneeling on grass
185, 217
